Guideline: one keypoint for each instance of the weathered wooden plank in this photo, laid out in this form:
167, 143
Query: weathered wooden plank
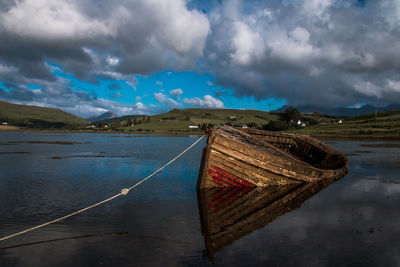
256, 175
275, 158
228, 180
230, 176
267, 165
235, 169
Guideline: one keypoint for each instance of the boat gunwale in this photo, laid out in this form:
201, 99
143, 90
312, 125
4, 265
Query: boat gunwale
304, 138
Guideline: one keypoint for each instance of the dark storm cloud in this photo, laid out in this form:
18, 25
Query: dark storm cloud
321, 52
329, 52
17, 93
145, 35
112, 40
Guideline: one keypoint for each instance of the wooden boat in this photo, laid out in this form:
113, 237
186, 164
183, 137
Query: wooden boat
229, 213
249, 158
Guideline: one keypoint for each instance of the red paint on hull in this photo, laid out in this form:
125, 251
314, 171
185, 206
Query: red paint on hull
226, 179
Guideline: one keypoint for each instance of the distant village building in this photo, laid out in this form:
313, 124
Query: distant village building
298, 123
193, 126
244, 126
5, 123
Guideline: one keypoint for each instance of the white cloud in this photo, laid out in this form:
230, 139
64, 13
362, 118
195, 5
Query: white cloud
4, 69
113, 60
163, 99
180, 28
376, 89
108, 72
176, 93
368, 88
316, 9
300, 35
207, 102
48, 19
248, 45
292, 46
100, 106
393, 85
112, 75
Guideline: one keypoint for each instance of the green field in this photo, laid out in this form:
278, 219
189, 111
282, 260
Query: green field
178, 120
385, 125
38, 117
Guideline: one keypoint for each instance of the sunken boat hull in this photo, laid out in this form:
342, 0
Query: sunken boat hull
251, 158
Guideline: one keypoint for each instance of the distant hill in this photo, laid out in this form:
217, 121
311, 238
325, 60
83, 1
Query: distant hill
109, 117
38, 117
123, 118
216, 116
105, 116
343, 111
179, 120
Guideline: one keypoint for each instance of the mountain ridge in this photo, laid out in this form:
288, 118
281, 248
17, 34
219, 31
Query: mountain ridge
105, 116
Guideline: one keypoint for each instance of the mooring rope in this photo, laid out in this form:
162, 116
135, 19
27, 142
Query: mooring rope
124, 191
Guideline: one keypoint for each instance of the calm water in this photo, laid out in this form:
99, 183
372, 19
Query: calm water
353, 222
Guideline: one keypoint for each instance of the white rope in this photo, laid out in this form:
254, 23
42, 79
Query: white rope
123, 192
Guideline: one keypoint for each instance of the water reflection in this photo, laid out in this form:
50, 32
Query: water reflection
228, 214
352, 222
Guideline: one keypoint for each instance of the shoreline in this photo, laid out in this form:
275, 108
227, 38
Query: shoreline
318, 136
19, 129
355, 137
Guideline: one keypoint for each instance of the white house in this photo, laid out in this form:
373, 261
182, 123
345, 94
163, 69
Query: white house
233, 118
193, 126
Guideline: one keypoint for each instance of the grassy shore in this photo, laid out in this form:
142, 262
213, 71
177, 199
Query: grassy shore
386, 125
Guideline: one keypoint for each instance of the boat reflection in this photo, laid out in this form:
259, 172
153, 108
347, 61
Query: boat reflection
227, 214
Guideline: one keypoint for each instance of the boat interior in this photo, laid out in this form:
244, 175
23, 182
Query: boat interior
301, 147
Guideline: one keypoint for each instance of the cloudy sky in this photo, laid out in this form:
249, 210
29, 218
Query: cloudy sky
149, 56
